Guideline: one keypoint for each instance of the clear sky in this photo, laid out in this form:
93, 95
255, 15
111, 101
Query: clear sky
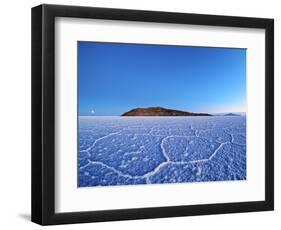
114, 78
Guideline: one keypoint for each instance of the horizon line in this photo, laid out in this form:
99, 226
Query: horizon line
94, 115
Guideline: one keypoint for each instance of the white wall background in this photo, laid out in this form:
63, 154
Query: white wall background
15, 113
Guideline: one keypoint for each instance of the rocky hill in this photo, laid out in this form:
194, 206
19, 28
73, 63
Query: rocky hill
160, 111
231, 114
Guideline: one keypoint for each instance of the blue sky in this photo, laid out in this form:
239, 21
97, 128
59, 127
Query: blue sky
114, 78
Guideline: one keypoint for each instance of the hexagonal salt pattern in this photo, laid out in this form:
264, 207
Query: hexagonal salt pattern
144, 150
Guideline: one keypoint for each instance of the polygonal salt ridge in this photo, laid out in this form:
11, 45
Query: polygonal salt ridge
217, 168
212, 163
86, 140
99, 139
232, 157
238, 130
239, 139
215, 135
187, 149
130, 154
230, 154
99, 174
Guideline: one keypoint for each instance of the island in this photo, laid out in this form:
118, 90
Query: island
160, 111
231, 114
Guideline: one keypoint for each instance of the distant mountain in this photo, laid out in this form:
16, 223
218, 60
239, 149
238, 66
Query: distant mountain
231, 114
160, 111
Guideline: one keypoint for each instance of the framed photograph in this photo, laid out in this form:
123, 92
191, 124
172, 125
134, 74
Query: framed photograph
142, 114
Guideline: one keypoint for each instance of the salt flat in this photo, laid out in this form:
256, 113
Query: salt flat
145, 150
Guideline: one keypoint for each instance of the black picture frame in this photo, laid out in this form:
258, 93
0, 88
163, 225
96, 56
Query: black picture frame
43, 114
